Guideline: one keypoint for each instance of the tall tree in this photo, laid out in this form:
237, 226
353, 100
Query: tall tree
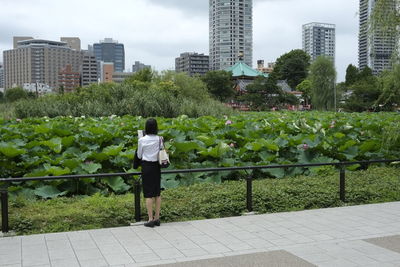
305, 87
390, 87
292, 67
364, 94
322, 77
219, 84
351, 75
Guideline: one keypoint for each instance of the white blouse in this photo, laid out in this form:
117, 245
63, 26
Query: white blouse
148, 147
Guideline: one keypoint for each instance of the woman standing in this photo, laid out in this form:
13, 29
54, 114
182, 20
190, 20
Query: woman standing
148, 148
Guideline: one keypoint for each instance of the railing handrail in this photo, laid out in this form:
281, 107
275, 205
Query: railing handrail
136, 187
219, 169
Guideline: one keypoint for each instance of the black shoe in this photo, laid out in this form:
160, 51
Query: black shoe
157, 222
149, 224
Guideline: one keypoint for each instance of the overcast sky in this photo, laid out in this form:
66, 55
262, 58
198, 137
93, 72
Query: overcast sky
156, 31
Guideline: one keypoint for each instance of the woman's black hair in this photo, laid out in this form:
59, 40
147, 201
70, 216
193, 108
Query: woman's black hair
151, 126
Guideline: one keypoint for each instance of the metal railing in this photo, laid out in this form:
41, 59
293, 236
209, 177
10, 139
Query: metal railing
137, 186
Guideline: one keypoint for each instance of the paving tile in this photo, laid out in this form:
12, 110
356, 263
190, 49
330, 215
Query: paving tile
93, 263
120, 258
146, 257
184, 244
215, 248
58, 244
157, 244
202, 239
193, 252
111, 249
88, 254
168, 253
259, 243
61, 254
80, 235
35, 260
138, 250
72, 262
83, 244
10, 259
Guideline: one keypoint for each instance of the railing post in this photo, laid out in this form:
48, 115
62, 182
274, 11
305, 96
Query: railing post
249, 193
137, 200
4, 208
342, 184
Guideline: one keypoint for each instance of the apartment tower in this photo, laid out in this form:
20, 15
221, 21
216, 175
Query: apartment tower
375, 48
230, 33
192, 63
319, 40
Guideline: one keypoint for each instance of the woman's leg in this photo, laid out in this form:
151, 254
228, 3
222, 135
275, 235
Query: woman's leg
149, 206
158, 208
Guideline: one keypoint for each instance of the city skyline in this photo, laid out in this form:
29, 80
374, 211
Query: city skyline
155, 32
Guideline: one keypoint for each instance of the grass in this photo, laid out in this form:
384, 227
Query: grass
202, 201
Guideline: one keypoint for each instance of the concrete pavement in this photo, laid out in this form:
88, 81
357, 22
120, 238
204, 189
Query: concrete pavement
367, 235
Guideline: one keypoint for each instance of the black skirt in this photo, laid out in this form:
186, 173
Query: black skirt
151, 179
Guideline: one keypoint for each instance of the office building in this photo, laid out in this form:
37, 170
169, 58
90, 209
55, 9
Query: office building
106, 70
109, 50
72, 42
119, 77
68, 80
192, 63
38, 61
319, 40
1, 76
89, 72
375, 48
230, 33
139, 66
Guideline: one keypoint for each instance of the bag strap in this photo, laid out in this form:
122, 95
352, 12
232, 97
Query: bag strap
160, 142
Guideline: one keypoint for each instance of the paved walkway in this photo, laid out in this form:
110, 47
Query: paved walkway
367, 235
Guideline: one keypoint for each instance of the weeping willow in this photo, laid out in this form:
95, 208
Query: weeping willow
385, 21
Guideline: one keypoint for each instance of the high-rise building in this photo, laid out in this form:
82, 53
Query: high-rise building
110, 50
89, 73
192, 63
38, 61
319, 40
1, 76
139, 66
16, 39
375, 48
72, 42
230, 33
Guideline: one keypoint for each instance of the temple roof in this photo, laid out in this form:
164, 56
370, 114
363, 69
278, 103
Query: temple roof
241, 69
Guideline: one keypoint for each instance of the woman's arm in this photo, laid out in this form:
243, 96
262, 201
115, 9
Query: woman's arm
140, 149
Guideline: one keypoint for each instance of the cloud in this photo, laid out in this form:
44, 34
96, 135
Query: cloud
157, 31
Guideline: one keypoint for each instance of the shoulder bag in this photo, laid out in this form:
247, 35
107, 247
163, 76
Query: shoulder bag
163, 157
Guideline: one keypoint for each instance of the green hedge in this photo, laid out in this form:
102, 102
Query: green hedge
201, 201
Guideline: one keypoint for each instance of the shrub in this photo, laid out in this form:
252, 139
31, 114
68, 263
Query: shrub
202, 201
167, 95
14, 94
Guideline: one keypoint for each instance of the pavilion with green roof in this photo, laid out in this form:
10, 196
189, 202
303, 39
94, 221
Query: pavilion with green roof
243, 75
